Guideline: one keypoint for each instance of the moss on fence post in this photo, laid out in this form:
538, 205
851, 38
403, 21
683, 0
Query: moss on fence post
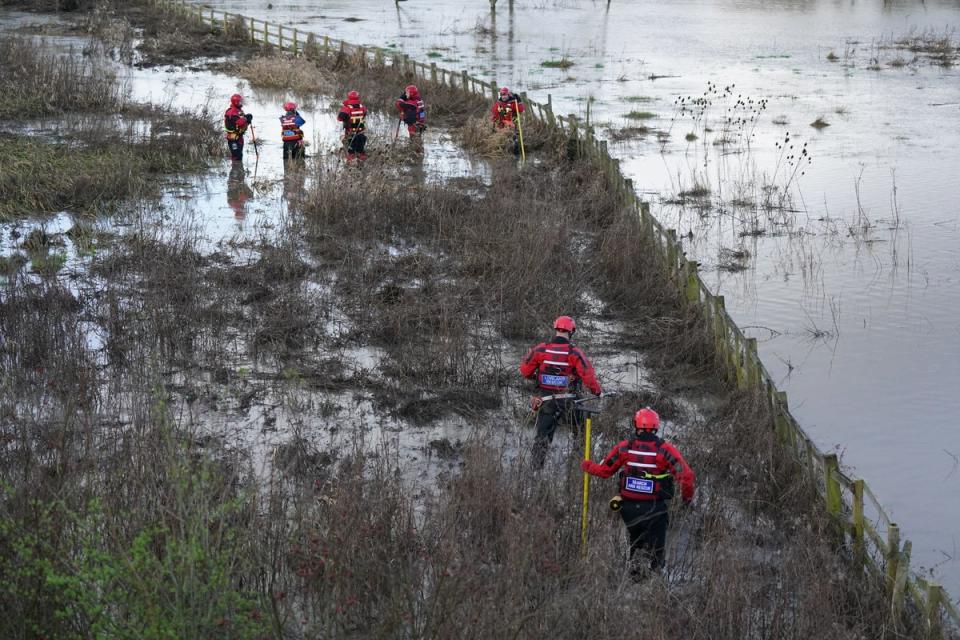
859, 547
693, 283
893, 556
752, 363
932, 613
831, 479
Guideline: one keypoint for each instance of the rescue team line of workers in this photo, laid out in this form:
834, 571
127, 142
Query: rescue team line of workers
648, 466
412, 110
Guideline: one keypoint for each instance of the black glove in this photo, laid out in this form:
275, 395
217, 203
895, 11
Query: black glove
248, 116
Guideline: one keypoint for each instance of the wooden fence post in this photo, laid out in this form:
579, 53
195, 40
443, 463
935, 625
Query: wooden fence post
296, 41
673, 254
932, 613
831, 479
693, 284
753, 363
893, 556
740, 369
253, 33
900, 582
433, 73
859, 545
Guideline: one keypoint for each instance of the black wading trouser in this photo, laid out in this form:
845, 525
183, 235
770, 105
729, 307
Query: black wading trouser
647, 527
552, 413
292, 149
236, 148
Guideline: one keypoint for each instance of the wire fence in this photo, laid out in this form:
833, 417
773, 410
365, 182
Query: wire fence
873, 538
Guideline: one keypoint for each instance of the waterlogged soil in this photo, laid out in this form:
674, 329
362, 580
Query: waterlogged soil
840, 261
301, 414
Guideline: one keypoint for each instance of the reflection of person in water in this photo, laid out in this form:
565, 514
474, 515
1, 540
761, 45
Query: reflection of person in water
294, 179
237, 191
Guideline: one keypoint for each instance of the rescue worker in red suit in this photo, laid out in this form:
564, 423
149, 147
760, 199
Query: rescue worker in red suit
235, 123
413, 111
353, 115
505, 110
649, 470
291, 133
559, 369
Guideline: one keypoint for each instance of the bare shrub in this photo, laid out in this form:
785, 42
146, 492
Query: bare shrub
284, 71
35, 80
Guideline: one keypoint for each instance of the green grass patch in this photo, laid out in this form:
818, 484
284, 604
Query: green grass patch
562, 63
639, 115
434, 54
639, 99
39, 178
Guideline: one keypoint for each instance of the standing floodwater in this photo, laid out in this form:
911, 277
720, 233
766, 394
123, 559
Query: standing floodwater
844, 268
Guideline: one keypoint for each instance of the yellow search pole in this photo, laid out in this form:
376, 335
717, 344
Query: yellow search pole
523, 152
586, 494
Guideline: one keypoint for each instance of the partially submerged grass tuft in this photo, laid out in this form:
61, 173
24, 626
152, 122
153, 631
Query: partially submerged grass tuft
561, 63
639, 115
820, 123
37, 81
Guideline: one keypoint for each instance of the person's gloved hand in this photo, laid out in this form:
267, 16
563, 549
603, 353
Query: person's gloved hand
535, 403
585, 465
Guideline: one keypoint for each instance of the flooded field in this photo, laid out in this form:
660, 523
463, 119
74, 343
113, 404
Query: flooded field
845, 269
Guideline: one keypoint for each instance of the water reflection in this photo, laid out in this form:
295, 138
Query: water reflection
238, 192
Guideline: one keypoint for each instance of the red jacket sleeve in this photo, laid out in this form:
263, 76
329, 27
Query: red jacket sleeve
609, 465
520, 107
682, 473
495, 112
531, 362
585, 370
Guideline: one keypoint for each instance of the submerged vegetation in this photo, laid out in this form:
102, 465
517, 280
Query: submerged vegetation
105, 150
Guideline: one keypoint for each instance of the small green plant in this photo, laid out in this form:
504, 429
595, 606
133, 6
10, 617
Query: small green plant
820, 123
832, 57
48, 264
690, 137
639, 115
434, 54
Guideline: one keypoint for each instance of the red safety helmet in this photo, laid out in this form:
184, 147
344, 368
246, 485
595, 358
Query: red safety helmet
236, 99
565, 323
646, 418
504, 91
353, 96
290, 106
412, 91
